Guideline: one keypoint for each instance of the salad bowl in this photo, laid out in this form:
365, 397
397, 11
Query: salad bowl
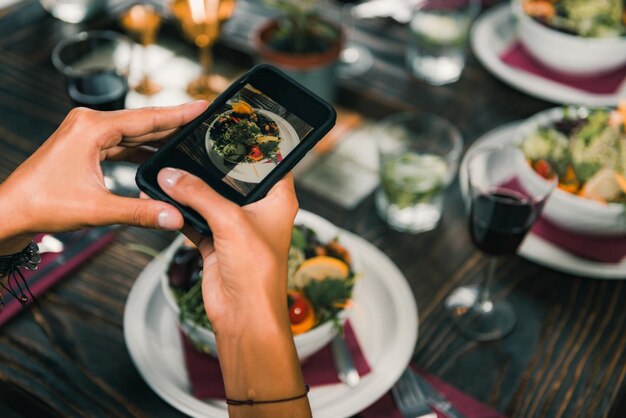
568, 53
564, 208
307, 342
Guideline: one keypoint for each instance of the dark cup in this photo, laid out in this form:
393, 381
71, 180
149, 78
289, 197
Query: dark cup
95, 65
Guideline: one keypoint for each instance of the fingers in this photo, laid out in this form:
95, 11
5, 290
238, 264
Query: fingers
193, 192
149, 137
145, 213
139, 122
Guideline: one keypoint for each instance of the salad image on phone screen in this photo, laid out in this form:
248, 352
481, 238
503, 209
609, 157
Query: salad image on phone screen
248, 138
245, 135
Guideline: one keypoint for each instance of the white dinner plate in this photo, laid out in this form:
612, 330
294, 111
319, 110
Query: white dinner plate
255, 172
384, 319
535, 248
494, 32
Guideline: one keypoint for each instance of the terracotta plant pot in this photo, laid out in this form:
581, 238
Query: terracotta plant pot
316, 71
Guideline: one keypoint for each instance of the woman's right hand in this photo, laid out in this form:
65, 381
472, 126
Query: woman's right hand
244, 287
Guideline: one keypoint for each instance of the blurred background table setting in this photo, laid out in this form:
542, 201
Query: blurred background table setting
466, 130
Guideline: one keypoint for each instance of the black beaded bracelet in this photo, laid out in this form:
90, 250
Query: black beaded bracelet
10, 266
252, 402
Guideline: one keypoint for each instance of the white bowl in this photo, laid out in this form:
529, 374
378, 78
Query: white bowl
568, 210
307, 343
566, 53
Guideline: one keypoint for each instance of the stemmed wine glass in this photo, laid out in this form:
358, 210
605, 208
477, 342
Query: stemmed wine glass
142, 22
505, 199
201, 21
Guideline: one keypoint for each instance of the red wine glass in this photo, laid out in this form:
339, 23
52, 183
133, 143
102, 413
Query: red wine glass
505, 199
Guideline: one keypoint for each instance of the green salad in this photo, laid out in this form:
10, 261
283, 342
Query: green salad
320, 282
587, 149
588, 18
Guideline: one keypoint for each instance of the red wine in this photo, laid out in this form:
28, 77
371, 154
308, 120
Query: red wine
499, 221
100, 90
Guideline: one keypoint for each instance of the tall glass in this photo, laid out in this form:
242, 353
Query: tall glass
505, 199
200, 21
438, 33
419, 154
355, 59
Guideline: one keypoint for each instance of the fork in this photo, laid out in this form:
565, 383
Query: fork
409, 397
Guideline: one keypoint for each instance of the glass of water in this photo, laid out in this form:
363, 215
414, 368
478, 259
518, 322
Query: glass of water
419, 154
438, 32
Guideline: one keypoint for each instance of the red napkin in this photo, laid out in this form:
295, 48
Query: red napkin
206, 380
607, 83
205, 375
591, 247
465, 404
79, 248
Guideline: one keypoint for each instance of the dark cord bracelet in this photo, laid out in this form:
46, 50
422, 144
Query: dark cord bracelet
252, 402
10, 266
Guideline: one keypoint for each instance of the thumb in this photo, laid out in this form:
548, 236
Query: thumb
145, 213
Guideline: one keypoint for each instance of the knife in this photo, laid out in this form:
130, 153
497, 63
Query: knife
346, 371
435, 399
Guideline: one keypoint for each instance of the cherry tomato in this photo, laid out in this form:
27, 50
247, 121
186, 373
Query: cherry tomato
543, 168
255, 153
301, 313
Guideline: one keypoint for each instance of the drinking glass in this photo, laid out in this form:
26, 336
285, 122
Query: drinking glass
200, 21
505, 199
142, 22
418, 155
355, 59
95, 65
438, 33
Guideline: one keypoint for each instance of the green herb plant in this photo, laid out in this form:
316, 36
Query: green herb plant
300, 29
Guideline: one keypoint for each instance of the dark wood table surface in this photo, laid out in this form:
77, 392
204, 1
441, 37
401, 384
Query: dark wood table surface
67, 357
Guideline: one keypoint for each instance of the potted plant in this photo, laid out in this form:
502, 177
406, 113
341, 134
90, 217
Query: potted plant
302, 44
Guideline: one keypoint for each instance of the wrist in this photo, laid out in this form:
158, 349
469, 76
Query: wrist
14, 237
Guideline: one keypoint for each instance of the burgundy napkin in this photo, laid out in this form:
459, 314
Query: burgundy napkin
607, 83
79, 247
603, 249
206, 380
205, 375
465, 404
591, 247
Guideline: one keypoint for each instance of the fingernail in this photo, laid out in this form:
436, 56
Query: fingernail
170, 176
165, 220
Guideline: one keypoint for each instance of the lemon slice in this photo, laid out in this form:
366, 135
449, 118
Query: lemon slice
602, 186
267, 138
320, 268
242, 108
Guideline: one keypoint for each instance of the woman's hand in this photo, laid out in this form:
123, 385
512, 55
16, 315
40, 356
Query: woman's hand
245, 262
244, 288
61, 187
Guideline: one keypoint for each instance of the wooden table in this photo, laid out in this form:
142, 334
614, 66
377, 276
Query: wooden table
565, 358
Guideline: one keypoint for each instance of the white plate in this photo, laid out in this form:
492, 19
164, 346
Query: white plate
255, 172
494, 32
384, 319
535, 248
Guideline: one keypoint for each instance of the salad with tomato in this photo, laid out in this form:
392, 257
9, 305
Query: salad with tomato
243, 135
586, 149
588, 18
320, 282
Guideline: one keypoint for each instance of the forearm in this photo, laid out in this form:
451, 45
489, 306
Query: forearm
259, 362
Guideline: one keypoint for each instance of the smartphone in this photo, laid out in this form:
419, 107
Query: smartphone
247, 140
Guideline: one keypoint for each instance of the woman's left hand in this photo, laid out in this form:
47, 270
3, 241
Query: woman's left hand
61, 186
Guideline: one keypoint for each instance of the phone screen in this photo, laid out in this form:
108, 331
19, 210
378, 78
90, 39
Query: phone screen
244, 139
